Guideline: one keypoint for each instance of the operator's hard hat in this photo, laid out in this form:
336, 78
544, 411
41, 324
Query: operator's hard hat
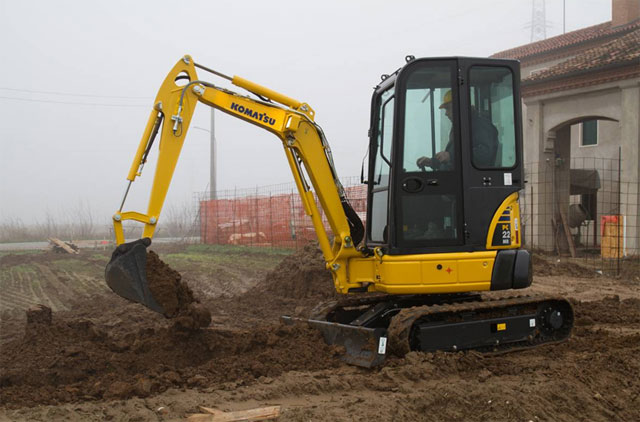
446, 100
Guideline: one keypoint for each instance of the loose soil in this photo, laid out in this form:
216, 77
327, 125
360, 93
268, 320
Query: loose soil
103, 358
302, 275
174, 295
549, 266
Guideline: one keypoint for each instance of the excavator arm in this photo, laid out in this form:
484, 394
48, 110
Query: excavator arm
305, 147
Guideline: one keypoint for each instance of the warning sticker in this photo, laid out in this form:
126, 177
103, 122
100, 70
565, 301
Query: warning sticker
382, 346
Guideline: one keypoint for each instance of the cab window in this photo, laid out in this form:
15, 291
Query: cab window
381, 167
428, 134
493, 132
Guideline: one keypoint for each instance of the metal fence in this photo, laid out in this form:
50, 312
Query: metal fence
266, 215
583, 210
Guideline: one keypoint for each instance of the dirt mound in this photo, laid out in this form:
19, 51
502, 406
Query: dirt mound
550, 266
166, 286
39, 315
609, 310
300, 275
76, 360
297, 284
174, 295
80, 356
73, 360
105, 347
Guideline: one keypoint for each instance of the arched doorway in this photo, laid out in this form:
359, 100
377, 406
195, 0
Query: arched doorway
584, 182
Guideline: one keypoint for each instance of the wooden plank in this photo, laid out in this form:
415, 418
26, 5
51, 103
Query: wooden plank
567, 232
556, 241
210, 410
62, 245
214, 415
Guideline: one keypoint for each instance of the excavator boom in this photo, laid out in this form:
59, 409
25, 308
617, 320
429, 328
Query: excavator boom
290, 120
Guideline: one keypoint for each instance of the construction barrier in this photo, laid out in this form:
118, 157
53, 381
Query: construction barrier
266, 216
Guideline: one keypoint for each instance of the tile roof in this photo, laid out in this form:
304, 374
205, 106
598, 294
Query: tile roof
620, 51
569, 39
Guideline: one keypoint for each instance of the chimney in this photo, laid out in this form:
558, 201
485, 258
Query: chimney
624, 11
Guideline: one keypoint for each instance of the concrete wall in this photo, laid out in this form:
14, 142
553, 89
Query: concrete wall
551, 135
608, 141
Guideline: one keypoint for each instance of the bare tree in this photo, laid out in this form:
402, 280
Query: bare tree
13, 230
179, 221
81, 225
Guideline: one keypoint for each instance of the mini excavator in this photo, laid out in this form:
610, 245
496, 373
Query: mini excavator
443, 221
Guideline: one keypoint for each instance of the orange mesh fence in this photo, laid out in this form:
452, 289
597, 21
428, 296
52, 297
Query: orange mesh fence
266, 216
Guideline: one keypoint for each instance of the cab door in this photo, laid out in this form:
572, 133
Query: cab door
380, 150
491, 133
427, 182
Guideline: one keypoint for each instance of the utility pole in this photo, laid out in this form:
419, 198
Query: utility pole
214, 156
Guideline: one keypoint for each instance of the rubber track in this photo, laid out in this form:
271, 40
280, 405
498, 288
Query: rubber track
400, 329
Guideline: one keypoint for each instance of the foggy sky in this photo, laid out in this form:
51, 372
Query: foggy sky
57, 155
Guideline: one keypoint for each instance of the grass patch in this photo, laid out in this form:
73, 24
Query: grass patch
239, 250
76, 266
228, 255
21, 252
23, 269
16, 273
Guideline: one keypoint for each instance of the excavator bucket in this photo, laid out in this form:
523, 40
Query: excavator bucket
126, 274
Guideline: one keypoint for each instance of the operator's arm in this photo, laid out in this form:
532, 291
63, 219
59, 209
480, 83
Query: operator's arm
442, 160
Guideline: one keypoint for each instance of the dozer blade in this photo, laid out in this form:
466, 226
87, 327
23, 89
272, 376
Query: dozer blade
126, 273
365, 347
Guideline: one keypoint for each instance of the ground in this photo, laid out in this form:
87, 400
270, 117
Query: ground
103, 358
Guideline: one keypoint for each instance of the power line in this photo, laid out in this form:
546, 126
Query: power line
72, 102
74, 95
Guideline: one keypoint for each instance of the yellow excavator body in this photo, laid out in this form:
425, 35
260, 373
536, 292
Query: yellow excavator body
448, 230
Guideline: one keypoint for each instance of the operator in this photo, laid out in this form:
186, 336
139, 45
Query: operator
444, 159
484, 141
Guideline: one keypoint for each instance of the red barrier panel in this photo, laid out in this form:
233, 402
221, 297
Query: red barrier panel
265, 220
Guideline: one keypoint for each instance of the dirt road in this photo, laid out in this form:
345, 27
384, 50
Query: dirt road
105, 359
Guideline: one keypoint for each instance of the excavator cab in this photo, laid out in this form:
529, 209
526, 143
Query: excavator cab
445, 153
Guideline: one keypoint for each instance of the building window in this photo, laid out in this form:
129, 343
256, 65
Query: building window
589, 133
